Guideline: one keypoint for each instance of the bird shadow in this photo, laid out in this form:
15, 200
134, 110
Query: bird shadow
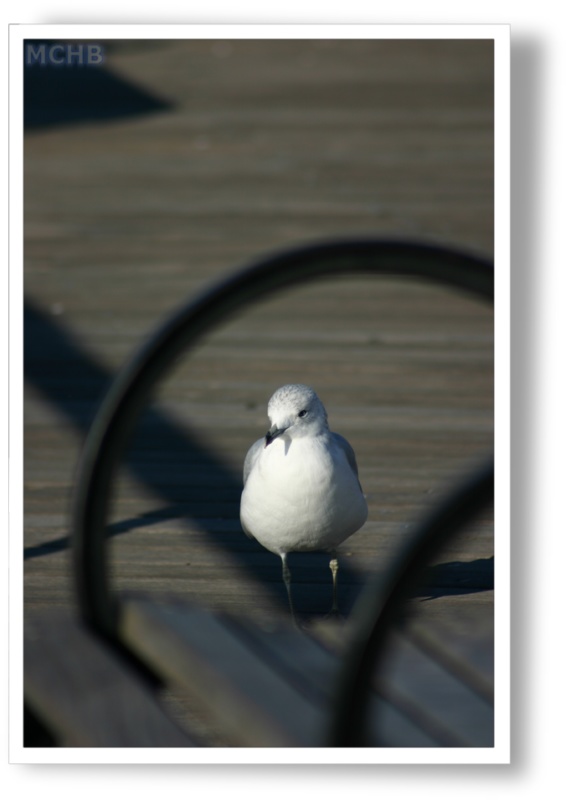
457, 578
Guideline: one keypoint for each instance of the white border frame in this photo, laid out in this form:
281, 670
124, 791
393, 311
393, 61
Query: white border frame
500, 753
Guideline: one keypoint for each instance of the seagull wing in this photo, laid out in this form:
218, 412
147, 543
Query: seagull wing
249, 463
348, 451
252, 456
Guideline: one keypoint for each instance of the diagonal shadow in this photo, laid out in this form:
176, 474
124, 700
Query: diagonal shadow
58, 93
75, 382
124, 526
204, 489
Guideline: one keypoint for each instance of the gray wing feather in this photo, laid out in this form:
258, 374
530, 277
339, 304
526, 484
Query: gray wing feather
249, 461
348, 450
252, 457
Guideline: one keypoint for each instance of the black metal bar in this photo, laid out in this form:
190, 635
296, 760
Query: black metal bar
132, 387
379, 606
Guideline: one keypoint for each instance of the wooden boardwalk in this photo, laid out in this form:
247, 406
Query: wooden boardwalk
252, 147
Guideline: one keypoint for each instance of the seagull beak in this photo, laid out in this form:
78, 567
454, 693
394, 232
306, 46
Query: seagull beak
272, 434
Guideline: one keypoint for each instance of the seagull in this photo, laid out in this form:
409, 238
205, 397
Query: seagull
301, 487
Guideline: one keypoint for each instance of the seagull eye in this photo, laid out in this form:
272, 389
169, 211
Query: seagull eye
303, 413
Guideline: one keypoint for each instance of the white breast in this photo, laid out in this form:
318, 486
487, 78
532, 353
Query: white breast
302, 495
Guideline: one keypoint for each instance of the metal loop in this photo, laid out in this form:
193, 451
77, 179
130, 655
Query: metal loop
132, 387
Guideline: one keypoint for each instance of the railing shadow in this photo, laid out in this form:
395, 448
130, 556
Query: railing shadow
50, 350
75, 382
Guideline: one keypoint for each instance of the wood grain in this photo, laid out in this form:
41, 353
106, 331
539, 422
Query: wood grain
259, 146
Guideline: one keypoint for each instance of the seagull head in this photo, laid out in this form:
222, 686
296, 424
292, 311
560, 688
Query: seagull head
295, 410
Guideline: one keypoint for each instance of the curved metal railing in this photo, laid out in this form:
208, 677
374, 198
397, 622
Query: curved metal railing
132, 388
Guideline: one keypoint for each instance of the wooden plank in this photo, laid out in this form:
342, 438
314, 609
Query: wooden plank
86, 694
273, 685
476, 668
265, 145
313, 669
246, 697
427, 690
418, 700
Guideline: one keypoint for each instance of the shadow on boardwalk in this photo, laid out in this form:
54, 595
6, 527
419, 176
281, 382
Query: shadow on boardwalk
67, 94
74, 382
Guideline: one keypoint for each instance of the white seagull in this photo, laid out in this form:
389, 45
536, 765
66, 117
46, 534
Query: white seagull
301, 488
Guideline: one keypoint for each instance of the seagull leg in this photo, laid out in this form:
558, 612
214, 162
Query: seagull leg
334, 570
287, 582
